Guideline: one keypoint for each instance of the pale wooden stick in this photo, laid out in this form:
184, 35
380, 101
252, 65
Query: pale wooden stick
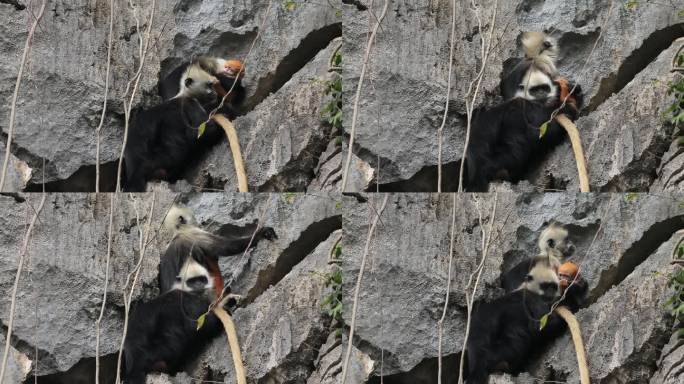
573, 134
228, 127
229, 326
574, 327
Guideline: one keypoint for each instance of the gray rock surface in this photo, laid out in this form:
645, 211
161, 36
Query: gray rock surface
281, 137
18, 364
329, 364
402, 101
60, 99
624, 331
281, 331
402, 294
669, 366
18, 173
67, 265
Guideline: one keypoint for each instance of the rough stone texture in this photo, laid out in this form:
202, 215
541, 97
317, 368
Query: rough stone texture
281, 137
67, 265
281, 332
404, 282
329, 364
670, 172
18, 173
181, 378
623, 331
65, 273
625, 138
18, 364
669, 365
402, 100
66, 73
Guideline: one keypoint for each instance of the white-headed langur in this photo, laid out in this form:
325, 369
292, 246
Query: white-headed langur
508, 138
166, 140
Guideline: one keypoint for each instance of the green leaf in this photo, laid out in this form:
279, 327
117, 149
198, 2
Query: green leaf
200, 321
543, 321
201, 129
631, 5
542, 129
680, 13
289, 5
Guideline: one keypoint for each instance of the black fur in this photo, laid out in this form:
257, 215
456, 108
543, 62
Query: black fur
505, 332
221, 245
163, 142
505, 140
513, 278
162, 334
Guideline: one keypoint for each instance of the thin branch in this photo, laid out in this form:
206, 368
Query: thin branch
112, 202
244, 64
470, 298
13, 302
440, 323
106, 92
128, 105
446, 104
15, 95
135, 273
355, 304
582, 71
355, 110
470, 103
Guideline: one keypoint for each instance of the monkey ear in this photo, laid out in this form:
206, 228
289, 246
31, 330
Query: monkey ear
188, 82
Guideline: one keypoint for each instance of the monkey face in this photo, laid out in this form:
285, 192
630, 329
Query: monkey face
562, 245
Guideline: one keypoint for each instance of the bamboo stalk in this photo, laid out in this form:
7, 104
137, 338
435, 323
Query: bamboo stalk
229, 327
574, 327
573, 134
231, 133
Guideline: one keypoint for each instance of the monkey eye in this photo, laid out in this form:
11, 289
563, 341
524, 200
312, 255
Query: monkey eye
188, 82
521, 87
547, 44
181, 220
551, 243
528, 278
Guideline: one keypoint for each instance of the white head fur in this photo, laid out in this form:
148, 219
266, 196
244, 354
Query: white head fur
536, 85
543, 49
554, 240
541, 52
181, 222
193, 277
196, 82
542, 279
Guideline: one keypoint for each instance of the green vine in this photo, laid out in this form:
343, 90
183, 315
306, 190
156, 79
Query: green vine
675, 88
332, 109
675, 281
332, 301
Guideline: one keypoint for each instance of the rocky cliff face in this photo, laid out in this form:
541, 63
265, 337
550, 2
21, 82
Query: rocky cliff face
282, 325
282, 131
625, 136
626, 327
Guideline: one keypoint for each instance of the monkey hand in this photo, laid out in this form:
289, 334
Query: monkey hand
268, 233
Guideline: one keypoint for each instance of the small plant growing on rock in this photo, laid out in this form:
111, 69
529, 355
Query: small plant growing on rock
332, 110
675, 112
676, 282
332, 301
